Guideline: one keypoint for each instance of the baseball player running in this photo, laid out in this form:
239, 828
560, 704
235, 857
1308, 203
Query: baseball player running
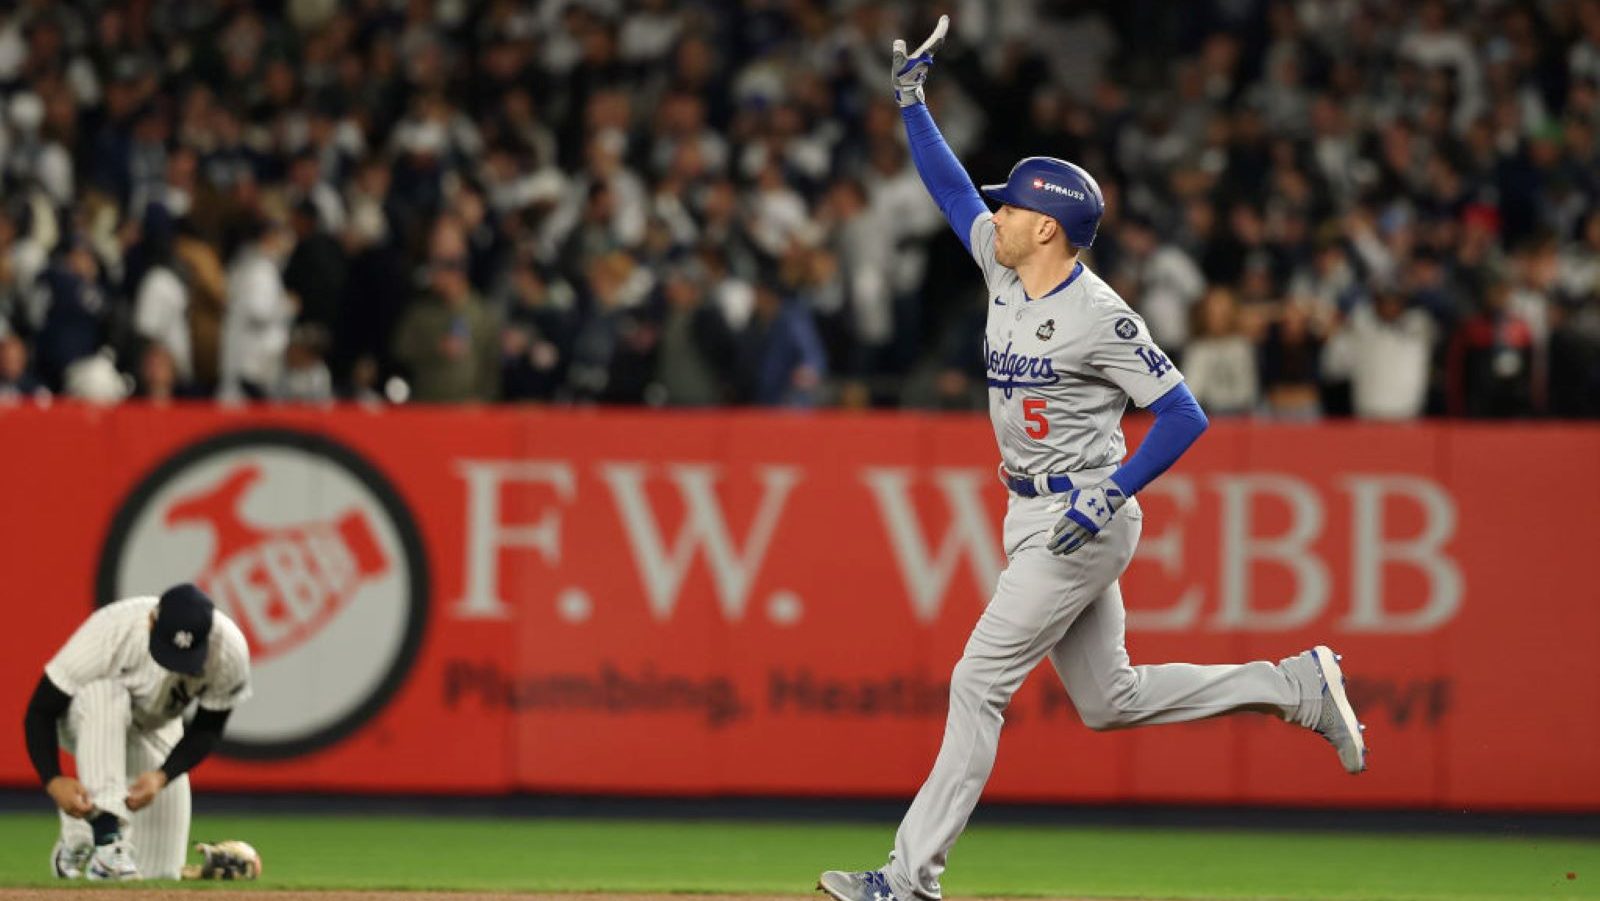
115, 695
1064, 356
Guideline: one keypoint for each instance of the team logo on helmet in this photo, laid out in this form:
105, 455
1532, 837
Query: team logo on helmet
1127, 329
309, 550
1046, 330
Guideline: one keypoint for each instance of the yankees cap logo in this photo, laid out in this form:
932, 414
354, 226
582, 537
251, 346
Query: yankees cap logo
309, 550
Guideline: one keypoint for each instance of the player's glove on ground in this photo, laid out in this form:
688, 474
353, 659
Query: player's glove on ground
225, 860
910, 71
1088, 511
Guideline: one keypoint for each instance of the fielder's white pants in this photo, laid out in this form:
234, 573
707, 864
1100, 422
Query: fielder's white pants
111, 750
1069, 609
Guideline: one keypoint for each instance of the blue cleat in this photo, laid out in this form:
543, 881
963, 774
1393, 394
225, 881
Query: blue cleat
871, 885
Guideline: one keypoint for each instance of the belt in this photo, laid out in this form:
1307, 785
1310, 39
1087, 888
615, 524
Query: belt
1036, 486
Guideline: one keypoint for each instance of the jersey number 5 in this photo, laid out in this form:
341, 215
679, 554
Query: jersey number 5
1033, 412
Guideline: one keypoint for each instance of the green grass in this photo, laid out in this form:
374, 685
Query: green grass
612, 855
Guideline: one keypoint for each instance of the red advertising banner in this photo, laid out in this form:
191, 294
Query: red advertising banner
477, 600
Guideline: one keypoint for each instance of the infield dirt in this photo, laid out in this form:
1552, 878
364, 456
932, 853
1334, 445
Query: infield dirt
128, 893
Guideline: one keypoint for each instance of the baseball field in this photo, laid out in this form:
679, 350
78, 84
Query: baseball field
643, 859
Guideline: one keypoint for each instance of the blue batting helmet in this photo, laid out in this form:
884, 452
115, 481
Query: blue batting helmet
1058, 189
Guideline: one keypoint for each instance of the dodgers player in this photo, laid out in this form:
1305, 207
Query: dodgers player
115, 694
1064, 355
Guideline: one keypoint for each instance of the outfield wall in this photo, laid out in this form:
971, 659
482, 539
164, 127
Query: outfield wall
489, 600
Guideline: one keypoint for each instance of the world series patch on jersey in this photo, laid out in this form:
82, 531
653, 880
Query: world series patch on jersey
1062, 367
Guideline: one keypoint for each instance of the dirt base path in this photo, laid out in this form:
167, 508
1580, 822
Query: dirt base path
214, 890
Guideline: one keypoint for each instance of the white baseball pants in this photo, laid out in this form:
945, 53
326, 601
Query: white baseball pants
111, 751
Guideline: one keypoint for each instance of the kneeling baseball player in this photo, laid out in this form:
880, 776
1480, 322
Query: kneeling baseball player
1065, 354
114, 697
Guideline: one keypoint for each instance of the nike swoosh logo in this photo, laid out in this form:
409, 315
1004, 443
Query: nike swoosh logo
998, 303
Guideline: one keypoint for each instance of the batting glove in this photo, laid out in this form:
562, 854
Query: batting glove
911, 71
1088, 511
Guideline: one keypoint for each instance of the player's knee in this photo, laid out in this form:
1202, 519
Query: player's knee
970, 687
1113, 710
1099, 716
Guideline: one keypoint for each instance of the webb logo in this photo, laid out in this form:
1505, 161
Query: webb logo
309, 550
280, 585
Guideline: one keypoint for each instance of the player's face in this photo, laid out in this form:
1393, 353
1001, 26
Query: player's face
1014, 228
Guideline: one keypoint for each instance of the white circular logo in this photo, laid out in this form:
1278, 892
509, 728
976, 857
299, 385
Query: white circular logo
309, 550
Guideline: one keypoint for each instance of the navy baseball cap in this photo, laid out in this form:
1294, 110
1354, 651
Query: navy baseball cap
182, 631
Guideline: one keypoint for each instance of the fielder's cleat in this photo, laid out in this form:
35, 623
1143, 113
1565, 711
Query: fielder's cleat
112, 862
1337, 722
68, 861
872, 885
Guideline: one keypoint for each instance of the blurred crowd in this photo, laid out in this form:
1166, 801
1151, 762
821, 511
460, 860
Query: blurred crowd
1321, 207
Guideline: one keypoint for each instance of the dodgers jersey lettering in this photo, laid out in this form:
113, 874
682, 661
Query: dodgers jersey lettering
114, 644
1061, 368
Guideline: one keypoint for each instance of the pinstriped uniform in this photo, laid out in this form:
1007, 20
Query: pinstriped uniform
126, 716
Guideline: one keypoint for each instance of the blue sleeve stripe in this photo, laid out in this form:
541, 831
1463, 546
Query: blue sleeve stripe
941, 172
1179, 422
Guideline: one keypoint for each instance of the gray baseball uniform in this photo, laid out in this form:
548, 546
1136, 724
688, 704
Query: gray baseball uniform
126, 716
1061, 369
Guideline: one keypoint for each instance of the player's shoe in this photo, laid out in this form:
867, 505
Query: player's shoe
112, 862
871, 885
68, 861
1337, 721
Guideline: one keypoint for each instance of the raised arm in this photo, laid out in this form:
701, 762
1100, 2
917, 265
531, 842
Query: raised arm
941, 172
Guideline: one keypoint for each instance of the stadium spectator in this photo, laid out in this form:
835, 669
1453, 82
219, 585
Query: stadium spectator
161, 306
1290, 354
696, 349
158, 377
449, 341
315, 272
70, 306
1300, 156
306, 378
1384, 348
537, 344
1492, 359
1220, 362
16, 381
259, 313
781, 361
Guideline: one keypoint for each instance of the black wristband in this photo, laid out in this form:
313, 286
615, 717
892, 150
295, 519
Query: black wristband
200, 738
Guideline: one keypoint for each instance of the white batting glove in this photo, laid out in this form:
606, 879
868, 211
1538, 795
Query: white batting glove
910, 71
1088, 511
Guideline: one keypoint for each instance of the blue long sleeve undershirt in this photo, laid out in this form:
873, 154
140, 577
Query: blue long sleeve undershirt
1179, 421
941, 172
